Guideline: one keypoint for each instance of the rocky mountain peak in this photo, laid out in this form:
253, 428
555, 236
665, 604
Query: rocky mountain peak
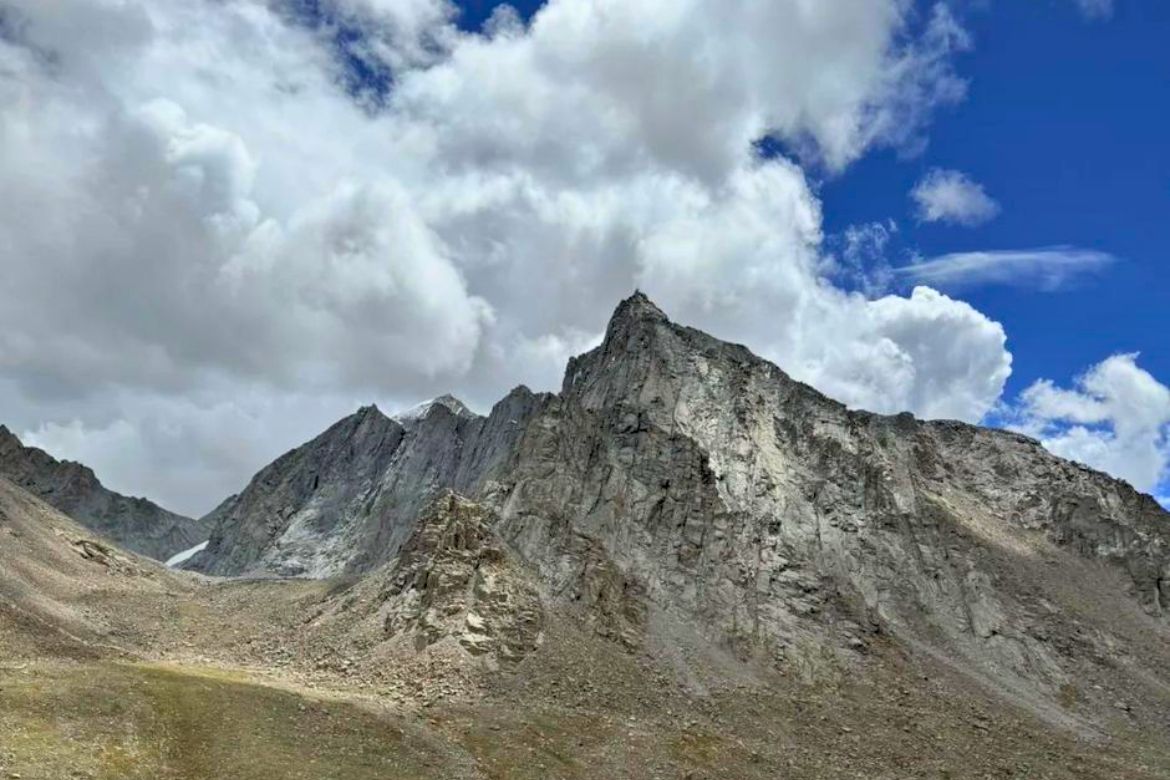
347, 500
681, 474
634, 334
685, 506
446, 401
369, 410
635, 308
366, 421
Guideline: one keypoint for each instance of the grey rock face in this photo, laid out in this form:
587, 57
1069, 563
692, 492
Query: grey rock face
735, 494
680, 478
134, 523
347, 500
300, 515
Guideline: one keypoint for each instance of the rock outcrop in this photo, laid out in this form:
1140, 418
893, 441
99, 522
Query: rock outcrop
134, 523
454, 582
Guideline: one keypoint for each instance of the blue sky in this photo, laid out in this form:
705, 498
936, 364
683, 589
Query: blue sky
1066, 124
231, 222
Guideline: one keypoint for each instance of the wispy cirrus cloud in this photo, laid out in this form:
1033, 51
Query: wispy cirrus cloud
1045, 268
1096, 9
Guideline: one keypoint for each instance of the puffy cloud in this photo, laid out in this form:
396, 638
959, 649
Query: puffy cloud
952, 196
212, 218
1047, 269
1116, 418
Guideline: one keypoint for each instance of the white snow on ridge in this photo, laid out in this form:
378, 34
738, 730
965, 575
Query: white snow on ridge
186, 555
420, 411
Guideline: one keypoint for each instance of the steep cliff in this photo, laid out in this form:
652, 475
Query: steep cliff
742, 501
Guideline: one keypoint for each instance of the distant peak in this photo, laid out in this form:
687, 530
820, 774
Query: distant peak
369, 412
452, 403
637, 307
8, 437
447, 401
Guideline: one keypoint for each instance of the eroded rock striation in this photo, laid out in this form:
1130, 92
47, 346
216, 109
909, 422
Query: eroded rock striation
72, 488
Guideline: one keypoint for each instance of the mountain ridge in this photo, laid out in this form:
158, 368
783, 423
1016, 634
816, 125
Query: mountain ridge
729, 493
600, 377
135, 523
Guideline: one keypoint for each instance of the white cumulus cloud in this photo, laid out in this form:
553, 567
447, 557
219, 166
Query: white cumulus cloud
208, 223
1115, 418
952, 196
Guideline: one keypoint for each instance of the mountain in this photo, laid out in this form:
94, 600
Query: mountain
683, 564
454, 661
347, 500
720, 494
134, 523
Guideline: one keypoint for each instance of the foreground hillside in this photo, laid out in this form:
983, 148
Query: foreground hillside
684, 565
116, 668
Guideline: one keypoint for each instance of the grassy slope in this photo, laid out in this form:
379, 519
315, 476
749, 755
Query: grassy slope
128, 721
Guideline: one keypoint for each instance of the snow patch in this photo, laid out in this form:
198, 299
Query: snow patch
186, 555
457, 407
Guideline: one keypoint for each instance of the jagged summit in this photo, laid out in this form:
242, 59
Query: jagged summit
681, 476
347, 499
637, 307
633, 328
445, 401
649, 373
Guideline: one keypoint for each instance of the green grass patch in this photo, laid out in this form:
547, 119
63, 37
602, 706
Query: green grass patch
127, 722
